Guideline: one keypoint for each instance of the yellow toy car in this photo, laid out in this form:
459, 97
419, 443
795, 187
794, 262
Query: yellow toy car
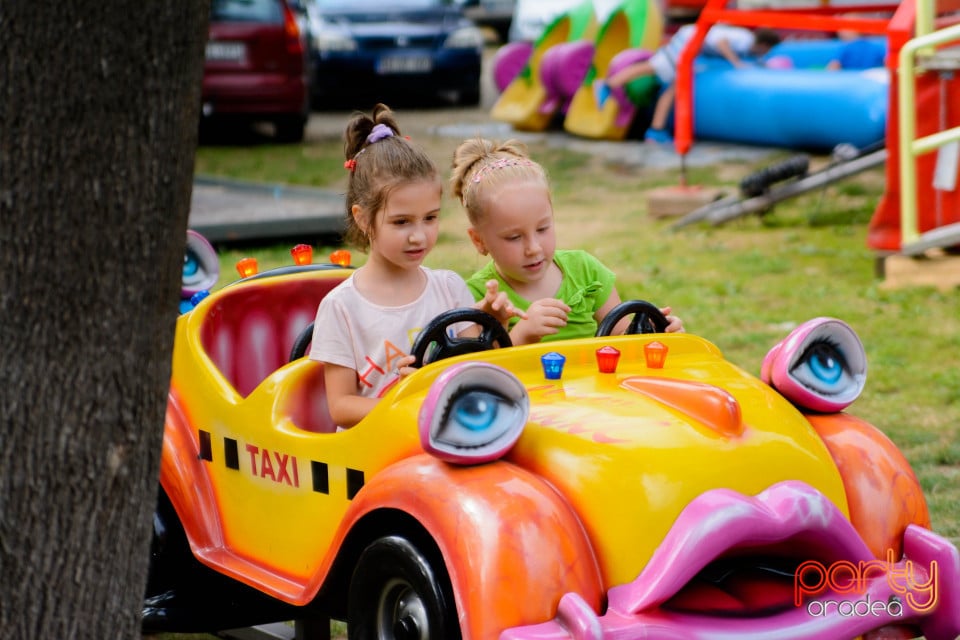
635, 486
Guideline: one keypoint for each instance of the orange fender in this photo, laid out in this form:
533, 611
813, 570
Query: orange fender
182, 477
511, 544
883, 493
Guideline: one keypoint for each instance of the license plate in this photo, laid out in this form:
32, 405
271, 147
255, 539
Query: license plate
404, 64
226, 51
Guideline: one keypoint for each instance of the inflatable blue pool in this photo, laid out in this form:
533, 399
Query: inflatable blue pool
804, 107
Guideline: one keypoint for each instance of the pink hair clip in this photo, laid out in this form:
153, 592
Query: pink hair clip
350, 165
500, 164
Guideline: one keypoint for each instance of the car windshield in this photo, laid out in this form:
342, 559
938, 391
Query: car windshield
380, 5
246, 11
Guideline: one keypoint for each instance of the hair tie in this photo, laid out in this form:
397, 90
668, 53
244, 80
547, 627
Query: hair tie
379, 132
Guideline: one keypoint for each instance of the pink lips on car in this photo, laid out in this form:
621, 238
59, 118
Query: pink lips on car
790, 519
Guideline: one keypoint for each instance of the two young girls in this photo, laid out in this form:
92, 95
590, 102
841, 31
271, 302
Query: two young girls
366, 326
565, 293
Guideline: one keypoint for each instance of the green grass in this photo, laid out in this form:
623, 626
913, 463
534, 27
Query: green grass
742, 285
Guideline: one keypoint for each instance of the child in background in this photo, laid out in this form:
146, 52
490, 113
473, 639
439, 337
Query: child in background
565, 293
726, 41
365, 327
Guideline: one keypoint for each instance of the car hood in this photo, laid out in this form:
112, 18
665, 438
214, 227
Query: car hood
630, 449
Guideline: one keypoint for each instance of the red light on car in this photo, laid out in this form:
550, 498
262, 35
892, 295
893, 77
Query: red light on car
292, 30
247, 267
302, 254
341, 257
607, 358
656, 354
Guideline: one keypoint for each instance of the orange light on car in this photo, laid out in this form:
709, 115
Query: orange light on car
607, 358
247, 267
340, 257
302, 254
656, 354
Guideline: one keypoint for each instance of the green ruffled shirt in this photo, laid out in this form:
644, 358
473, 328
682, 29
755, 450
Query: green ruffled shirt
585, 287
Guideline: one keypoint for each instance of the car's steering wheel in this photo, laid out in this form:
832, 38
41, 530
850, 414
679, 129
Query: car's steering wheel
647, 318
300, 345
444, 345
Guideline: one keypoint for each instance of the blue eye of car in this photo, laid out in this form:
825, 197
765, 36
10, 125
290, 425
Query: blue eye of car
476, 410
823, 368
190, 265
474, 413
475, 417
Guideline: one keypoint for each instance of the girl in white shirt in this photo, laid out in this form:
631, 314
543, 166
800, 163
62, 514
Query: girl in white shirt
366, 326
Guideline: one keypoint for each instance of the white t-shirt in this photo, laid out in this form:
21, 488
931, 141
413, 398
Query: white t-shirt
664, 60
353, 332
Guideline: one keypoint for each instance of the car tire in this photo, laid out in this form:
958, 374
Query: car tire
470, 97
290, 129
399, 591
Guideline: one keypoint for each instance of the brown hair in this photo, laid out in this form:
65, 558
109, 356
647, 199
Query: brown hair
378, 164
481, 165
766, 38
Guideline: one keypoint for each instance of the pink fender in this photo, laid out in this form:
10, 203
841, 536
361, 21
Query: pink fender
512, 546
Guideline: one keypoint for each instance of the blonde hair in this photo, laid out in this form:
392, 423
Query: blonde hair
379, 160
480, 166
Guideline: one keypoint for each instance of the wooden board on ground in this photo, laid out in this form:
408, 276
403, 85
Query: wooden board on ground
934, 268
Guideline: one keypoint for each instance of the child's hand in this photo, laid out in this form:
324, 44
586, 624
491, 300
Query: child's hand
545, 317
404, 366
675, 324
497, 304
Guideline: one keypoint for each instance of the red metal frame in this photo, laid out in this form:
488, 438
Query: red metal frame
822, 19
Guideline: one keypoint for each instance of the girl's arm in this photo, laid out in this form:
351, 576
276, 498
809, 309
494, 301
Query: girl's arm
722, 45
347, 407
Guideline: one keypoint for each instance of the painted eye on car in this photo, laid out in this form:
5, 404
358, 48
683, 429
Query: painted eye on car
473, 413
823, 367
475, 417
820, 366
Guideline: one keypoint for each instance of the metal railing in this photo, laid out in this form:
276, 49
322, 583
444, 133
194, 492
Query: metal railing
910, 145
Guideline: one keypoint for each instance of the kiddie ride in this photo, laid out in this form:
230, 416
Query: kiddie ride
635, 486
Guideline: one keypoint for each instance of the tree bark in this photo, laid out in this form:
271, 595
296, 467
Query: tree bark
99, 106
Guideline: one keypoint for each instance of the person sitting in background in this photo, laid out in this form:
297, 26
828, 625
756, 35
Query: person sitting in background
858, 52
729, 42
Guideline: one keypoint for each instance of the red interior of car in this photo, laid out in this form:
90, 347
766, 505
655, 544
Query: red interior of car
249, 331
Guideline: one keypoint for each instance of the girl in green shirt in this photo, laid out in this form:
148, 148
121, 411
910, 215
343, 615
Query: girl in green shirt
507, 199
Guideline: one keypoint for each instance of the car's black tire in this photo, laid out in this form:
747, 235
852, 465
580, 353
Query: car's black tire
469, 97
290, 129
401, 592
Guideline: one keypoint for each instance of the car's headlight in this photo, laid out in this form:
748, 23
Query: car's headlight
473, 413
820, 366
465, 38
330, 40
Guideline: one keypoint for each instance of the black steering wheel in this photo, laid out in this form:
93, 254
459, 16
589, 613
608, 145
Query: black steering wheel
300, 345
434, 343
647, 318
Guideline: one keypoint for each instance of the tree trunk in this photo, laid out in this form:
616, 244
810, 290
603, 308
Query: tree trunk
99, 106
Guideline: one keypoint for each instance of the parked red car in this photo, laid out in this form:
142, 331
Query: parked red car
256, 66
